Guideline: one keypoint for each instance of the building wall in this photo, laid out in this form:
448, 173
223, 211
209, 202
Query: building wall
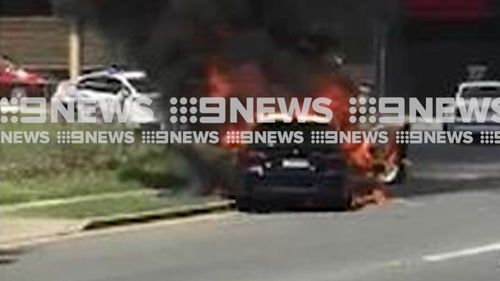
42, 43
429, 59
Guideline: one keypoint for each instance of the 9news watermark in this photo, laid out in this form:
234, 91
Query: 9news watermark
384, 110
363, 112
218, 110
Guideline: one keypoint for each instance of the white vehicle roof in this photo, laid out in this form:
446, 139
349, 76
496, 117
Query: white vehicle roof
478, 84
123, 75
130, 74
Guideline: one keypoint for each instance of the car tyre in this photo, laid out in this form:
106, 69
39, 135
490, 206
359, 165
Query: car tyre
339, 202
244, 204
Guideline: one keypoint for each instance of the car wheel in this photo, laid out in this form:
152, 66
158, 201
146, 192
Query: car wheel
244, 204
262, 206
342, 202
18, 93
350, 202
394, 174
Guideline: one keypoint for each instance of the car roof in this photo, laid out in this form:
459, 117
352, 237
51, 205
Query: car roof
131, 74
137, 74
475, 84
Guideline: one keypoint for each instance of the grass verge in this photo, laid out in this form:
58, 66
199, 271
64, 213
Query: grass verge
110, 206
35, 171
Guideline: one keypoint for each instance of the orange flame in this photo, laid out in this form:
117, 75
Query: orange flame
225, 81
247, 80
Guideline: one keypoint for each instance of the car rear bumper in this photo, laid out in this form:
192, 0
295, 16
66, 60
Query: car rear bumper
283, 187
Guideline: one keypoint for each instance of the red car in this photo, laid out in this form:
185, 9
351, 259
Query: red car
17, 82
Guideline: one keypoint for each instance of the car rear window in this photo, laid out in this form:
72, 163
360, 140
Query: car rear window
305, 128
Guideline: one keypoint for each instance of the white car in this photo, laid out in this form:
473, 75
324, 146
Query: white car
478, 90
114, 86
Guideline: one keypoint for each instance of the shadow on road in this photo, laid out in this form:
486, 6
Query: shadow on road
10, 256
294, 206
411, 188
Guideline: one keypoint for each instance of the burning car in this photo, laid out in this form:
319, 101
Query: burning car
17, 82
331, 175
342, 175
286, 171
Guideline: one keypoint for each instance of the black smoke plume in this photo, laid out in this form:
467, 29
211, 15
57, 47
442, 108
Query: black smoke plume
172, 39
290, 40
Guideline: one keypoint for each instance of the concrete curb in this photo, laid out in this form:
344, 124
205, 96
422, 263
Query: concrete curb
29, 240
167, 213
118, 220
77, 199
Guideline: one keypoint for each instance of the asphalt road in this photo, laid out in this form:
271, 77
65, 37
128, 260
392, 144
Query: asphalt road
438, 231
450, 168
